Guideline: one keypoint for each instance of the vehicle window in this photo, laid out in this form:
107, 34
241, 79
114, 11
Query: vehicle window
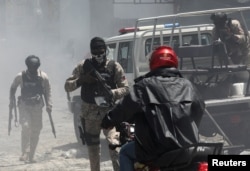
157, 42
148, 45
125, 56
206, 39
190, 40
111, 50
193, 39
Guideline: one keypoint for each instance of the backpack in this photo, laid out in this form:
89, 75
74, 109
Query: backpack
169, 123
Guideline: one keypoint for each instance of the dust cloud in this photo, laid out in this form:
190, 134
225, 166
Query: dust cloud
53, 30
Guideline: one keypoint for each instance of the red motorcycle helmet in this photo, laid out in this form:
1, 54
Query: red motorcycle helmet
163, 56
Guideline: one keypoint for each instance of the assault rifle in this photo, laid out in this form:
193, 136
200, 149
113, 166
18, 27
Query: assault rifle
12, 106
108, 95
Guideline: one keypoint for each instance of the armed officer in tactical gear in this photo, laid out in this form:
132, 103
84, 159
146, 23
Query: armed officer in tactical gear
231, 33
231, 46
112, 86
34, 84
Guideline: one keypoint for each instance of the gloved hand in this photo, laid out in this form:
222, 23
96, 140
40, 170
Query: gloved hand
107, 123
48, 109
110, 93
86, 78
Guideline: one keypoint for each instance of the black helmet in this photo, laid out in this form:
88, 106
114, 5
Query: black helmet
32, 61
98, 50
219, 18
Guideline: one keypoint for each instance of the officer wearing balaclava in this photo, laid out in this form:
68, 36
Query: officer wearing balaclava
98, 51
92, 113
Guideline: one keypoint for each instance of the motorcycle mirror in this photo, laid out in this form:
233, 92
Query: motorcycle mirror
100, 101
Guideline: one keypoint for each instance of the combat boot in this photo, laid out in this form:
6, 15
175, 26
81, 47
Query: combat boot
31, 158
24, 157
30, 161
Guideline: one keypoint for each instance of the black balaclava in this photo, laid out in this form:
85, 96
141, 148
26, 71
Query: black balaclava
98, 50
219, 19
33, 63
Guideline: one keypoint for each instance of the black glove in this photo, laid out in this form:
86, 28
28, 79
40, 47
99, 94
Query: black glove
109, 97
106, 122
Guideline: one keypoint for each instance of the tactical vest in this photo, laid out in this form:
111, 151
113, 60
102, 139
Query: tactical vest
31, 86
92, 90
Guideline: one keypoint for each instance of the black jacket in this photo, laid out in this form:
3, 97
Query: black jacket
158, 86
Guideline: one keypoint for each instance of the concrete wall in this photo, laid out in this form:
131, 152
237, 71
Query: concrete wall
199, 5
75, 28
107, 18
134, 11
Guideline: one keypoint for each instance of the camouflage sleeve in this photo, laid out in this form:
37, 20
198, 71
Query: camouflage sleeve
238, 32
121, 82
16, 82
70, 83
47, 89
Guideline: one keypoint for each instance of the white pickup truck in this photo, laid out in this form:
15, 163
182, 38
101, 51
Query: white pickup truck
228, 102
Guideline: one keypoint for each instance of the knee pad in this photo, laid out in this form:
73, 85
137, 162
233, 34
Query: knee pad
92, 139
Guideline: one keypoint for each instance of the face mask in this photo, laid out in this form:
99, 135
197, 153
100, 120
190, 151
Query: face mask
33, 70
99, 58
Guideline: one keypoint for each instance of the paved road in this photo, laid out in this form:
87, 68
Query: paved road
52, 154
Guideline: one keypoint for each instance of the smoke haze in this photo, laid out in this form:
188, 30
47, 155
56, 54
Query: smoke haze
52, 30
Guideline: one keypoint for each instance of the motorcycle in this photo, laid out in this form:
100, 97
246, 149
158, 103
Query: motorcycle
190, 158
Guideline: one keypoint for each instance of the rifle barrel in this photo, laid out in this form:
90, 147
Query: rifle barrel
52, 124
15, 112
10, 118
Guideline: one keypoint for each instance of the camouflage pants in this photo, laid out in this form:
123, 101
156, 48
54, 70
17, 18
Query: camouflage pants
31, 122
93, 116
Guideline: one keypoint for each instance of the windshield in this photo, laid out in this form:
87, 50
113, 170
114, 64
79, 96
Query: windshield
124, 56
